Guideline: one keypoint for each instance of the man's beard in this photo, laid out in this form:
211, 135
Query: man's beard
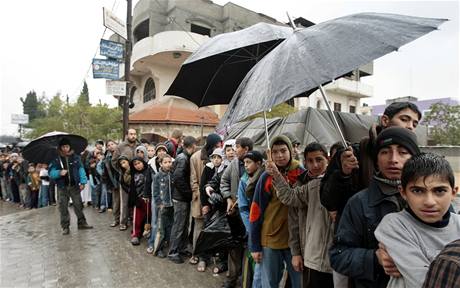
132, 140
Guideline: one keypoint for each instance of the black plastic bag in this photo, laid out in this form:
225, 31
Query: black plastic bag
216, 235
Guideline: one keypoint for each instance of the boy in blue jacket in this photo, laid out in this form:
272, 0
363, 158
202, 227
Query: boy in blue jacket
70, 177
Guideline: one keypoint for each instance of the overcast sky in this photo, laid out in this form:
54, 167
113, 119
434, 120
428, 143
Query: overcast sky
47, 46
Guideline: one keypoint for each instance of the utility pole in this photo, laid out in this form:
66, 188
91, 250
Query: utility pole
128, 48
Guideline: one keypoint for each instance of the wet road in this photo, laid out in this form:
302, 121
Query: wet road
33, 253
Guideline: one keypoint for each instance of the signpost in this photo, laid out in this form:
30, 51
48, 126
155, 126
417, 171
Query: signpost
114, 23
111, 49
105, 68
116, 88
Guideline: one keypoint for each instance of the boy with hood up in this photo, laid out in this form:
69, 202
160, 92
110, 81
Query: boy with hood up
141, 208
268, 218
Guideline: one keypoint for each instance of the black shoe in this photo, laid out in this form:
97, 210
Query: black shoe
102, 210
84, 226
229, 284
65, 231
161, 254
185, 254
176, 259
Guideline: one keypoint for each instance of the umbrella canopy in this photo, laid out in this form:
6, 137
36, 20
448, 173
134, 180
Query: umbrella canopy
313, 56
308, 125
211, 74
44, 148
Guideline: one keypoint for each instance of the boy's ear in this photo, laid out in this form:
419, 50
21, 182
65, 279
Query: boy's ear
402, 192
384, 121
455, 191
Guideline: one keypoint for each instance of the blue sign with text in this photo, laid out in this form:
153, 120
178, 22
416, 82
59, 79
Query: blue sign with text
105, 68
111, 49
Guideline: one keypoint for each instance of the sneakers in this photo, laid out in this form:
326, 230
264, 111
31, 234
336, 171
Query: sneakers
123, 227
84, 226
176, 259
102, 210
135, 241
150, 250
114, 224
65, 231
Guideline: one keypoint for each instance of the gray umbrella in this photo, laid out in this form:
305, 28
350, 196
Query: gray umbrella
212, 74
316, 55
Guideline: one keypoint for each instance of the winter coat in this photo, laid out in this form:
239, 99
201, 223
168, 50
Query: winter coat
210, 176
110, 176
336, 188
74, 166
138, 179
246, 190
163, 189
172, 146
353, 250
231, 178
181, 178
197, 164
268, 217
315, 227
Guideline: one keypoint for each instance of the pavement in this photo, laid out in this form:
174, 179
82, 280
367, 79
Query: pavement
33, 253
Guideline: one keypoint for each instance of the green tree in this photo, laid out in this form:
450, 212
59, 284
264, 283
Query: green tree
444, 124
32, 106
83, 99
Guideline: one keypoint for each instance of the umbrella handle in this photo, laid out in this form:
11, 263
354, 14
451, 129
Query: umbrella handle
334, 120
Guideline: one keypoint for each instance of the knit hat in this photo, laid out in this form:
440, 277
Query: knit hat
218, 152
160, 146
397, 135
254, 155
64, 141
292, 137
99, 141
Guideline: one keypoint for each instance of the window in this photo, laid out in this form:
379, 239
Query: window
318, 104
200, 30
149, 90
291, 102
352, 109
337, 107
141, 31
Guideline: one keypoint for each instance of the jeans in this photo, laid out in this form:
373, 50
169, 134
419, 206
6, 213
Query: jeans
179, 233
272, 267
104, 203
154, 224
96, 195
44, 196
24, 192
64, 194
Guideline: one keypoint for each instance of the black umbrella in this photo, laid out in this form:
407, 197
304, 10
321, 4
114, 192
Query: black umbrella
44, 148
316, 55
211, 74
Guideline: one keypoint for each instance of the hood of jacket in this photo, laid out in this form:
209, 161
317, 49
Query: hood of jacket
144, 150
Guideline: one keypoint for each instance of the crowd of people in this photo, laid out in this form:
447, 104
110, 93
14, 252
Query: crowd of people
372, 214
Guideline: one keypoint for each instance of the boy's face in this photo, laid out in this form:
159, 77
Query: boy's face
281, 155
150, 151
240, 151
391, 159
138, 165
65, 148
229, 153
111, 146
316, 163
250, 166
100, 156
140, 154
429, 197
405, 118
31, 169
124, 163
216, 160
166, 164
161, 151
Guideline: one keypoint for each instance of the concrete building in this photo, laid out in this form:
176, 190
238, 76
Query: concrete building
166, 32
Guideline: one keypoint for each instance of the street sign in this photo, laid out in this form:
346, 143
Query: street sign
19, 118
116, 88
111, 49
114, 23
105, 68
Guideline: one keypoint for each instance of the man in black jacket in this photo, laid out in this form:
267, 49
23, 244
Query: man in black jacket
181, 199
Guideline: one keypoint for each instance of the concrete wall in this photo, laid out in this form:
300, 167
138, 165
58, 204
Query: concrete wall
451, 153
